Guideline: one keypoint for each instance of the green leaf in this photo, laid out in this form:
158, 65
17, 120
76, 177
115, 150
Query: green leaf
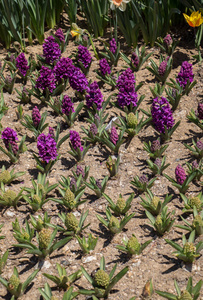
87, 276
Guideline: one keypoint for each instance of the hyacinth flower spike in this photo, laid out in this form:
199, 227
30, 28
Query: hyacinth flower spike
46, 293
84, 59
76, 186
63, 281
14, 286
112, 51
9, 198
132, 246
22, 235
101, 281
77, 150
142, 183
196, 168
80, 170
61, 39
105, 74
162, 118
189, 252
24, 95
196, 117
64, 107
158, 166
114, 224
98, 186
36, 123
112, 140
138, 58
162, 71
7, 176
191, 202
197, 223
132, 124
155, 149
190, 293
9, 137
46, 245
121, 206
87, 244
153, 204
47, 147
182, 180
73, 225
167, 44
41, 222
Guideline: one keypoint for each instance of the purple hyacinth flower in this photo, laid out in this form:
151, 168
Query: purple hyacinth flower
126, 81
51, 132
9, 136
63, 68
59, 34
36, 117
84, 56
94, 96
47, 147
80, 170
75, 140
98, 184
168, 40
135, 59
77, 80
195, 164
158, 162
46, 79
93, 129
112, 46
180, 174
162, 114
113, 135
104, 67
200, 111
125, 99
67, 105
162, 67
73, 183
155, 146
51, 50
143, 179
22, 64
185, 74
199, 145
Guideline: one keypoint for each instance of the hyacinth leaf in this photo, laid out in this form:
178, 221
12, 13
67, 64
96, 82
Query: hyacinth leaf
29, 280
102, 220
102, 263
166, 295
87, 276
3, 260
112, 271
115, 279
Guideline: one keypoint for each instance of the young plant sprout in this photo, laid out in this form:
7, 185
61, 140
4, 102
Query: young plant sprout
9, 197
142, 183
155, 149
98, 186
132, 246
189, 252
101, 281
121, 206
112, 165
158, 166
191, 202
47, 293
87, 244
22, 235
7, 176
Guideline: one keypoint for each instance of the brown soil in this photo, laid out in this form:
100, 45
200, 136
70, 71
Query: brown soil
157, 261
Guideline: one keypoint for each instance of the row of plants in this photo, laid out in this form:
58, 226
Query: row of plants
50, 75
28, 19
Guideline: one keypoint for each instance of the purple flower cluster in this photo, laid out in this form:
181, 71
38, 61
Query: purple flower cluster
143, 179
59, 34
199, 145
104, 67
113, 135
162, 67
80, 170
126, 86
94, 96
162, 114
158, 162
22, 64
67, 105
75, 140
180, 174
84, 56
185, 74
36, 117
63, 68
46, 79
168, 40
112, 46
51, 50
155, 146
77, 80
9, 136
47, 147
93, 129
51, 132
200, 111
135, 59
98, 184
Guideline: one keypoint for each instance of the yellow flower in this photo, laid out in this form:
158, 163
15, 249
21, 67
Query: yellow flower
195, 19
76, 32
121, 4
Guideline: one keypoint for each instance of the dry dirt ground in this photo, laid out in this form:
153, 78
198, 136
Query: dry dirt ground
157, 261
